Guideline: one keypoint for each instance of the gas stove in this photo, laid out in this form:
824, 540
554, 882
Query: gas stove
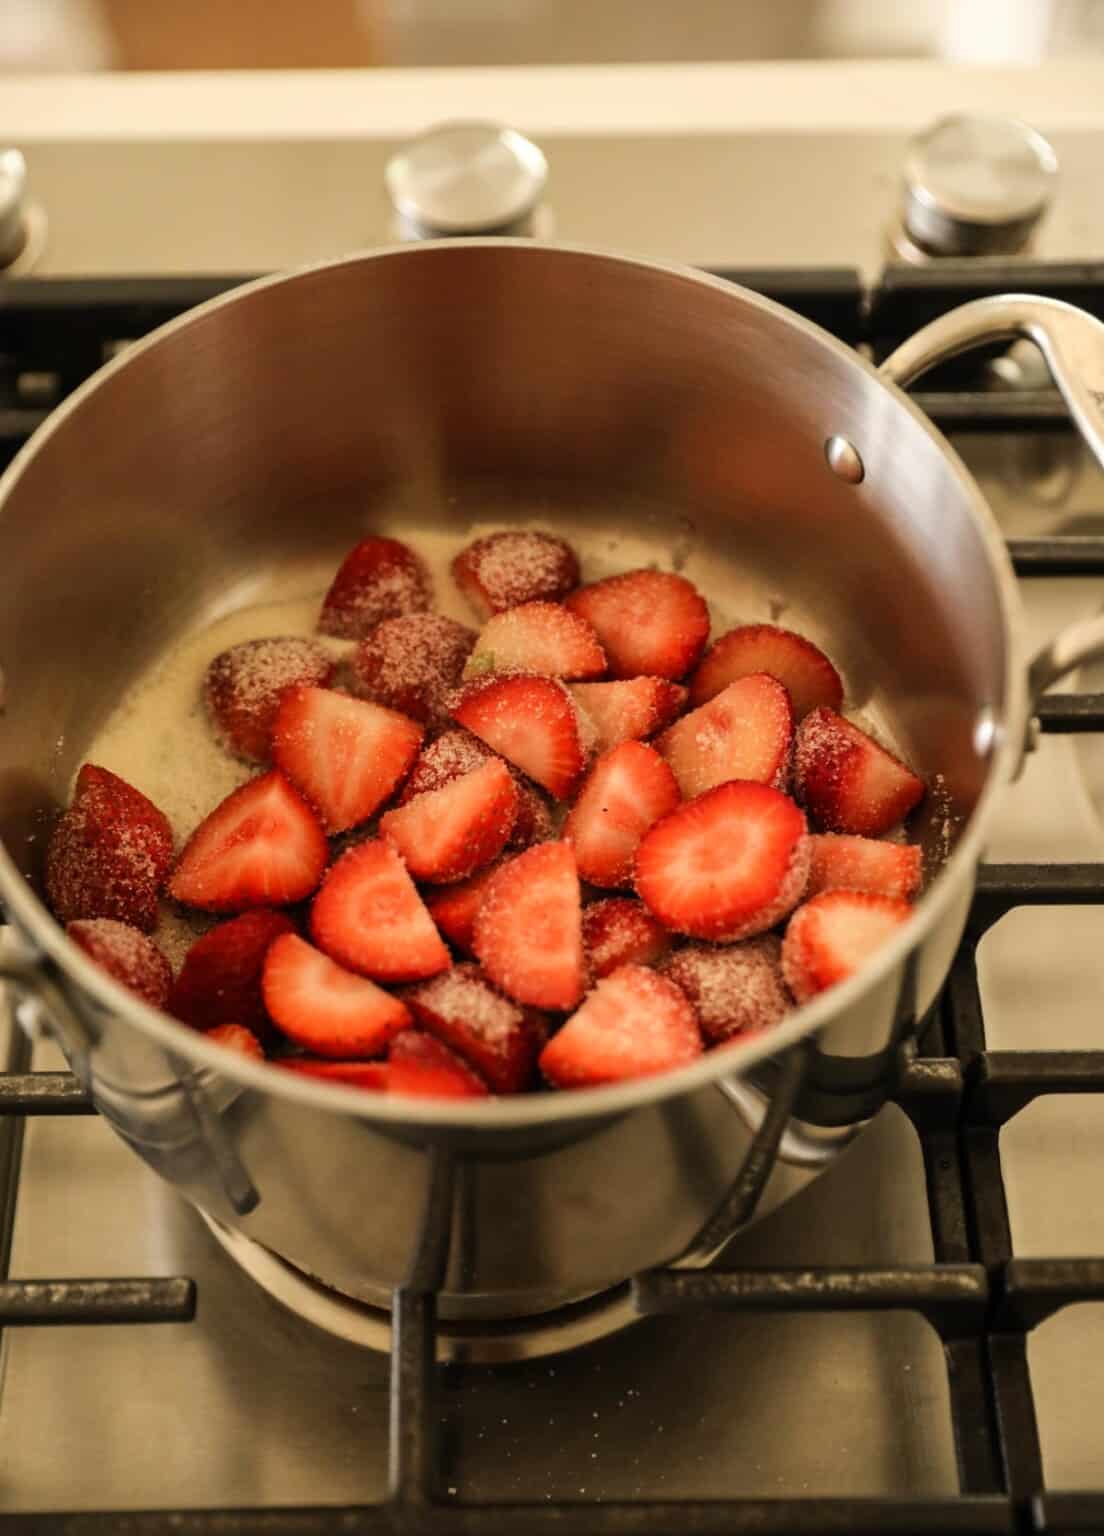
917, 1342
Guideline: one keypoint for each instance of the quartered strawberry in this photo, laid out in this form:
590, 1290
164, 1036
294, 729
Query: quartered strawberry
453, 907
125, 953
244, 685
620, 931
635, 1022
533, 722
237, 1038
411, 664
447, 834
345, 754
506, 569
500, 1039
735, 989
420, 1064
528, 930
846, 781
650, 623
378, 579
220, 980
368, 916
108, 854
631, 709
744, 733
324, 1008
537, 637
727, 865
627, 791
440, 761
842, 863
832, 936
805, 672
372, 1075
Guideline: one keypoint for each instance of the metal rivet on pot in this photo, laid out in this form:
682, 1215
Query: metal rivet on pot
844, 460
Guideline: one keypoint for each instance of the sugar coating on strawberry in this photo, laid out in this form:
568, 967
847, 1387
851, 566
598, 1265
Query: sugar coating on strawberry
379, 579
831, 937
499, 1038
844, 863
243, 687
528, 930
534, 822
629, 709
633, 1024
628, 789
533, 722
846, 781
371, 1075
735, 989
220, 980
545, 638
235, 1037
504, 570
418, 1063
650, 623
746, 732
326, 1009
369, 917
453, 907
411, 663
449, 833
126, 954
108, 854
802, 668
621, 931
447, 757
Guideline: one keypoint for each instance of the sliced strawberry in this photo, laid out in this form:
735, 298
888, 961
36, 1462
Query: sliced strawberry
368, 916
261, 847
346, 755
744, 733
832, 936
500, 1039
108, 854
411, 664
378, 579
842, 863
627, 791
237, 1038
735, 989
125, 953
533, 722
244, 685
504, 570
533, 822
727, 865
325, 1009
220, 980
453, 907
650, 623
528, 930
447, 834
634, 1023
372, 1075
846, 781
631, 709
620, 931
808, 676
420, 1064
545, 638
448, 757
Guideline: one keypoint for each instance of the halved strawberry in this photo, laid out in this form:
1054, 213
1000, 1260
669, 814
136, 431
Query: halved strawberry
831, 937
368, 916
125, 953
109, 853
503, 570
634, 1023
533, 722
260, 847
631, 709
411, 664
453, 907
499, 1038
621, 931
220, 980
727, 865
650, 623
419, 1064
537, 637
744, 733
372, 1075
378, 579
237, 1038
735, 989
244, 685
808, 676
627, 791
447, 834
528, 931
846, 781
324, 1008
346, 755
842, 863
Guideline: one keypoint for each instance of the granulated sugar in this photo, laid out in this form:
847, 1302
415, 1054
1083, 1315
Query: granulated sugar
410, 664
518, 566
464, 996
734, 989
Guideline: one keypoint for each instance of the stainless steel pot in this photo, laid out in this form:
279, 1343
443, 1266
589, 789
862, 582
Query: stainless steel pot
417, 389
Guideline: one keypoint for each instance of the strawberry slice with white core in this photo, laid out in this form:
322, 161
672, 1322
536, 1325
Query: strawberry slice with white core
324, 1008
528, 930
634, 1023
744, 733
735, 989
621, 931
727, 865
369, 917
844, 863
533, 722
649, 623
627, 791
261, 847
834, 935
537, 637
498, 1037
630, 709
802, 668
447, 834
419, 1064
345, 754
846, 781
519, 565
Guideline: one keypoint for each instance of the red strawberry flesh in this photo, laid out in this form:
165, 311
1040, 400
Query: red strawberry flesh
235, 1037
372, 1075
629, 709
533, 722
627, 791
449, 833
620, 931
545, 638
420, 1064
633, 1024
744, 733
808, 676
244, 685
500, 1039
453, 907
109, 853
127, 954
528, 930
220, 980
844, 863
846, 781
834, 935
324, 1008
650, 623
369, 917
